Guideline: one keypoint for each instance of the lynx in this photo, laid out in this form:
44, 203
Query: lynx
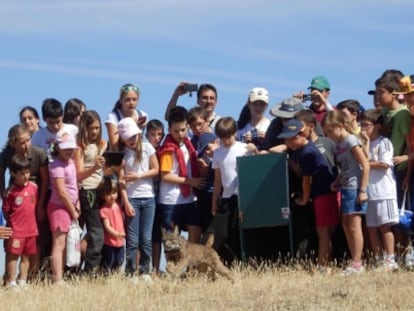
182, 254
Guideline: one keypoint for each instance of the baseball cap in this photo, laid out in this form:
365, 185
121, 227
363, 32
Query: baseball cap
287, 108
406, 85
65, 140
203, 141
320, 83
127, 128
259, 93
291, 128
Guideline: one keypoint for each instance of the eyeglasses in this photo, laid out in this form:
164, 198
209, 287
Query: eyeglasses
129, 87
366, 125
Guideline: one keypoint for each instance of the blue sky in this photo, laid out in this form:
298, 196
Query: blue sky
88, 49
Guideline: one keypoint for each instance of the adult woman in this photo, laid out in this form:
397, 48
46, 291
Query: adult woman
30, 117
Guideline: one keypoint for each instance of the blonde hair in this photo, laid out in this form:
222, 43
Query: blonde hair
335, 118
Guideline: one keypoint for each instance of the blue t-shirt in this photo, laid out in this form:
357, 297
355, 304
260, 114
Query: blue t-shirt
312, 163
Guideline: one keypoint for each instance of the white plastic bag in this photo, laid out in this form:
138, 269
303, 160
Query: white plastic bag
73, 254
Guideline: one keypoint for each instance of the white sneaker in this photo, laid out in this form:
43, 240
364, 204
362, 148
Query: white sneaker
146, 278
12, 285
409, 258
353, 270
22, 284
390, 265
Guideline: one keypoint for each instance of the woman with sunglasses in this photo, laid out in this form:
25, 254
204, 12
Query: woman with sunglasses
125, 106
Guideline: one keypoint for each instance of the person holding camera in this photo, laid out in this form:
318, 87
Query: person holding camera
319, 93
252, 123
206, 98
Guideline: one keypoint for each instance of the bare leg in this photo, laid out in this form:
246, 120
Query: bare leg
194, 233
58, 248
11, 267
324, 245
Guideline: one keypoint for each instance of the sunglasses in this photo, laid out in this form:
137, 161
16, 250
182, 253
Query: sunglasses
129, 87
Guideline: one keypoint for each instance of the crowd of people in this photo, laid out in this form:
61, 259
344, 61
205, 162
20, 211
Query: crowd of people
349, 165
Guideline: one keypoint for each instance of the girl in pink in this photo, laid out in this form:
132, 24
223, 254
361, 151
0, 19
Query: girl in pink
63, 206
114, 228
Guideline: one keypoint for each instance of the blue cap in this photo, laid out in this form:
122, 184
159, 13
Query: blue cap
291, 128
203, 141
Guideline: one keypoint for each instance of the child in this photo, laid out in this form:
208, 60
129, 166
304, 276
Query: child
352, 109
89, 171
252, 124
179, 175
382, 210
63, 206
125, 106
137, 194
113, 223
19, 208
226, 179
73, 110
52, 114
155, 134
207, 144
19, 142
197, 119
353, 182
317, 176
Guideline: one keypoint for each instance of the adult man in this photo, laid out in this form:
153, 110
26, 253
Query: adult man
319, 91
206, 98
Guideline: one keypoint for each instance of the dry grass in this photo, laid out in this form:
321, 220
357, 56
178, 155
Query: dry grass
262, 288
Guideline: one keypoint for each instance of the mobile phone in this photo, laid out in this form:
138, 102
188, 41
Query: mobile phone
142, 120
192, 87
113, 158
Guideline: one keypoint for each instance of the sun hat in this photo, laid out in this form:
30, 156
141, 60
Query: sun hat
65, 140
287, 108
320, 83
203, 141
406, 85
291, 128
259, 93
127, 128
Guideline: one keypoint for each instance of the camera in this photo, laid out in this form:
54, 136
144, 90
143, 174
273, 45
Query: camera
193, 87
255, 137
306, 97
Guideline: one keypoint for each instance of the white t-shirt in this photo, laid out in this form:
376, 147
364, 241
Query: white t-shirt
171, 193
261, 127
382, 184
113, 118
43, 137
143, 187
224, 158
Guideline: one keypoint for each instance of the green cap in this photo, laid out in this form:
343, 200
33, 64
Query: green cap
320, 83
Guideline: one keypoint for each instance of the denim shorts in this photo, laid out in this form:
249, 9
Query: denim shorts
349, 203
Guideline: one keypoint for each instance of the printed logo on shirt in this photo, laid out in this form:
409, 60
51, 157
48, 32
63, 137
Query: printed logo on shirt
18, 200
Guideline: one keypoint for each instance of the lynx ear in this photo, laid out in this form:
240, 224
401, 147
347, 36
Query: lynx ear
176, 231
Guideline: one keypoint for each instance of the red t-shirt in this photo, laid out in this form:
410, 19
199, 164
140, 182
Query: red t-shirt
19, 206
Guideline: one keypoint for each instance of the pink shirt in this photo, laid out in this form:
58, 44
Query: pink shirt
66, 170
116, 219
20, 205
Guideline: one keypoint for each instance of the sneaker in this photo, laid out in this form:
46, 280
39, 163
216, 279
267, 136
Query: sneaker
22, 284
12, 285
409, 258
146, 278
389, 265
352, 270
